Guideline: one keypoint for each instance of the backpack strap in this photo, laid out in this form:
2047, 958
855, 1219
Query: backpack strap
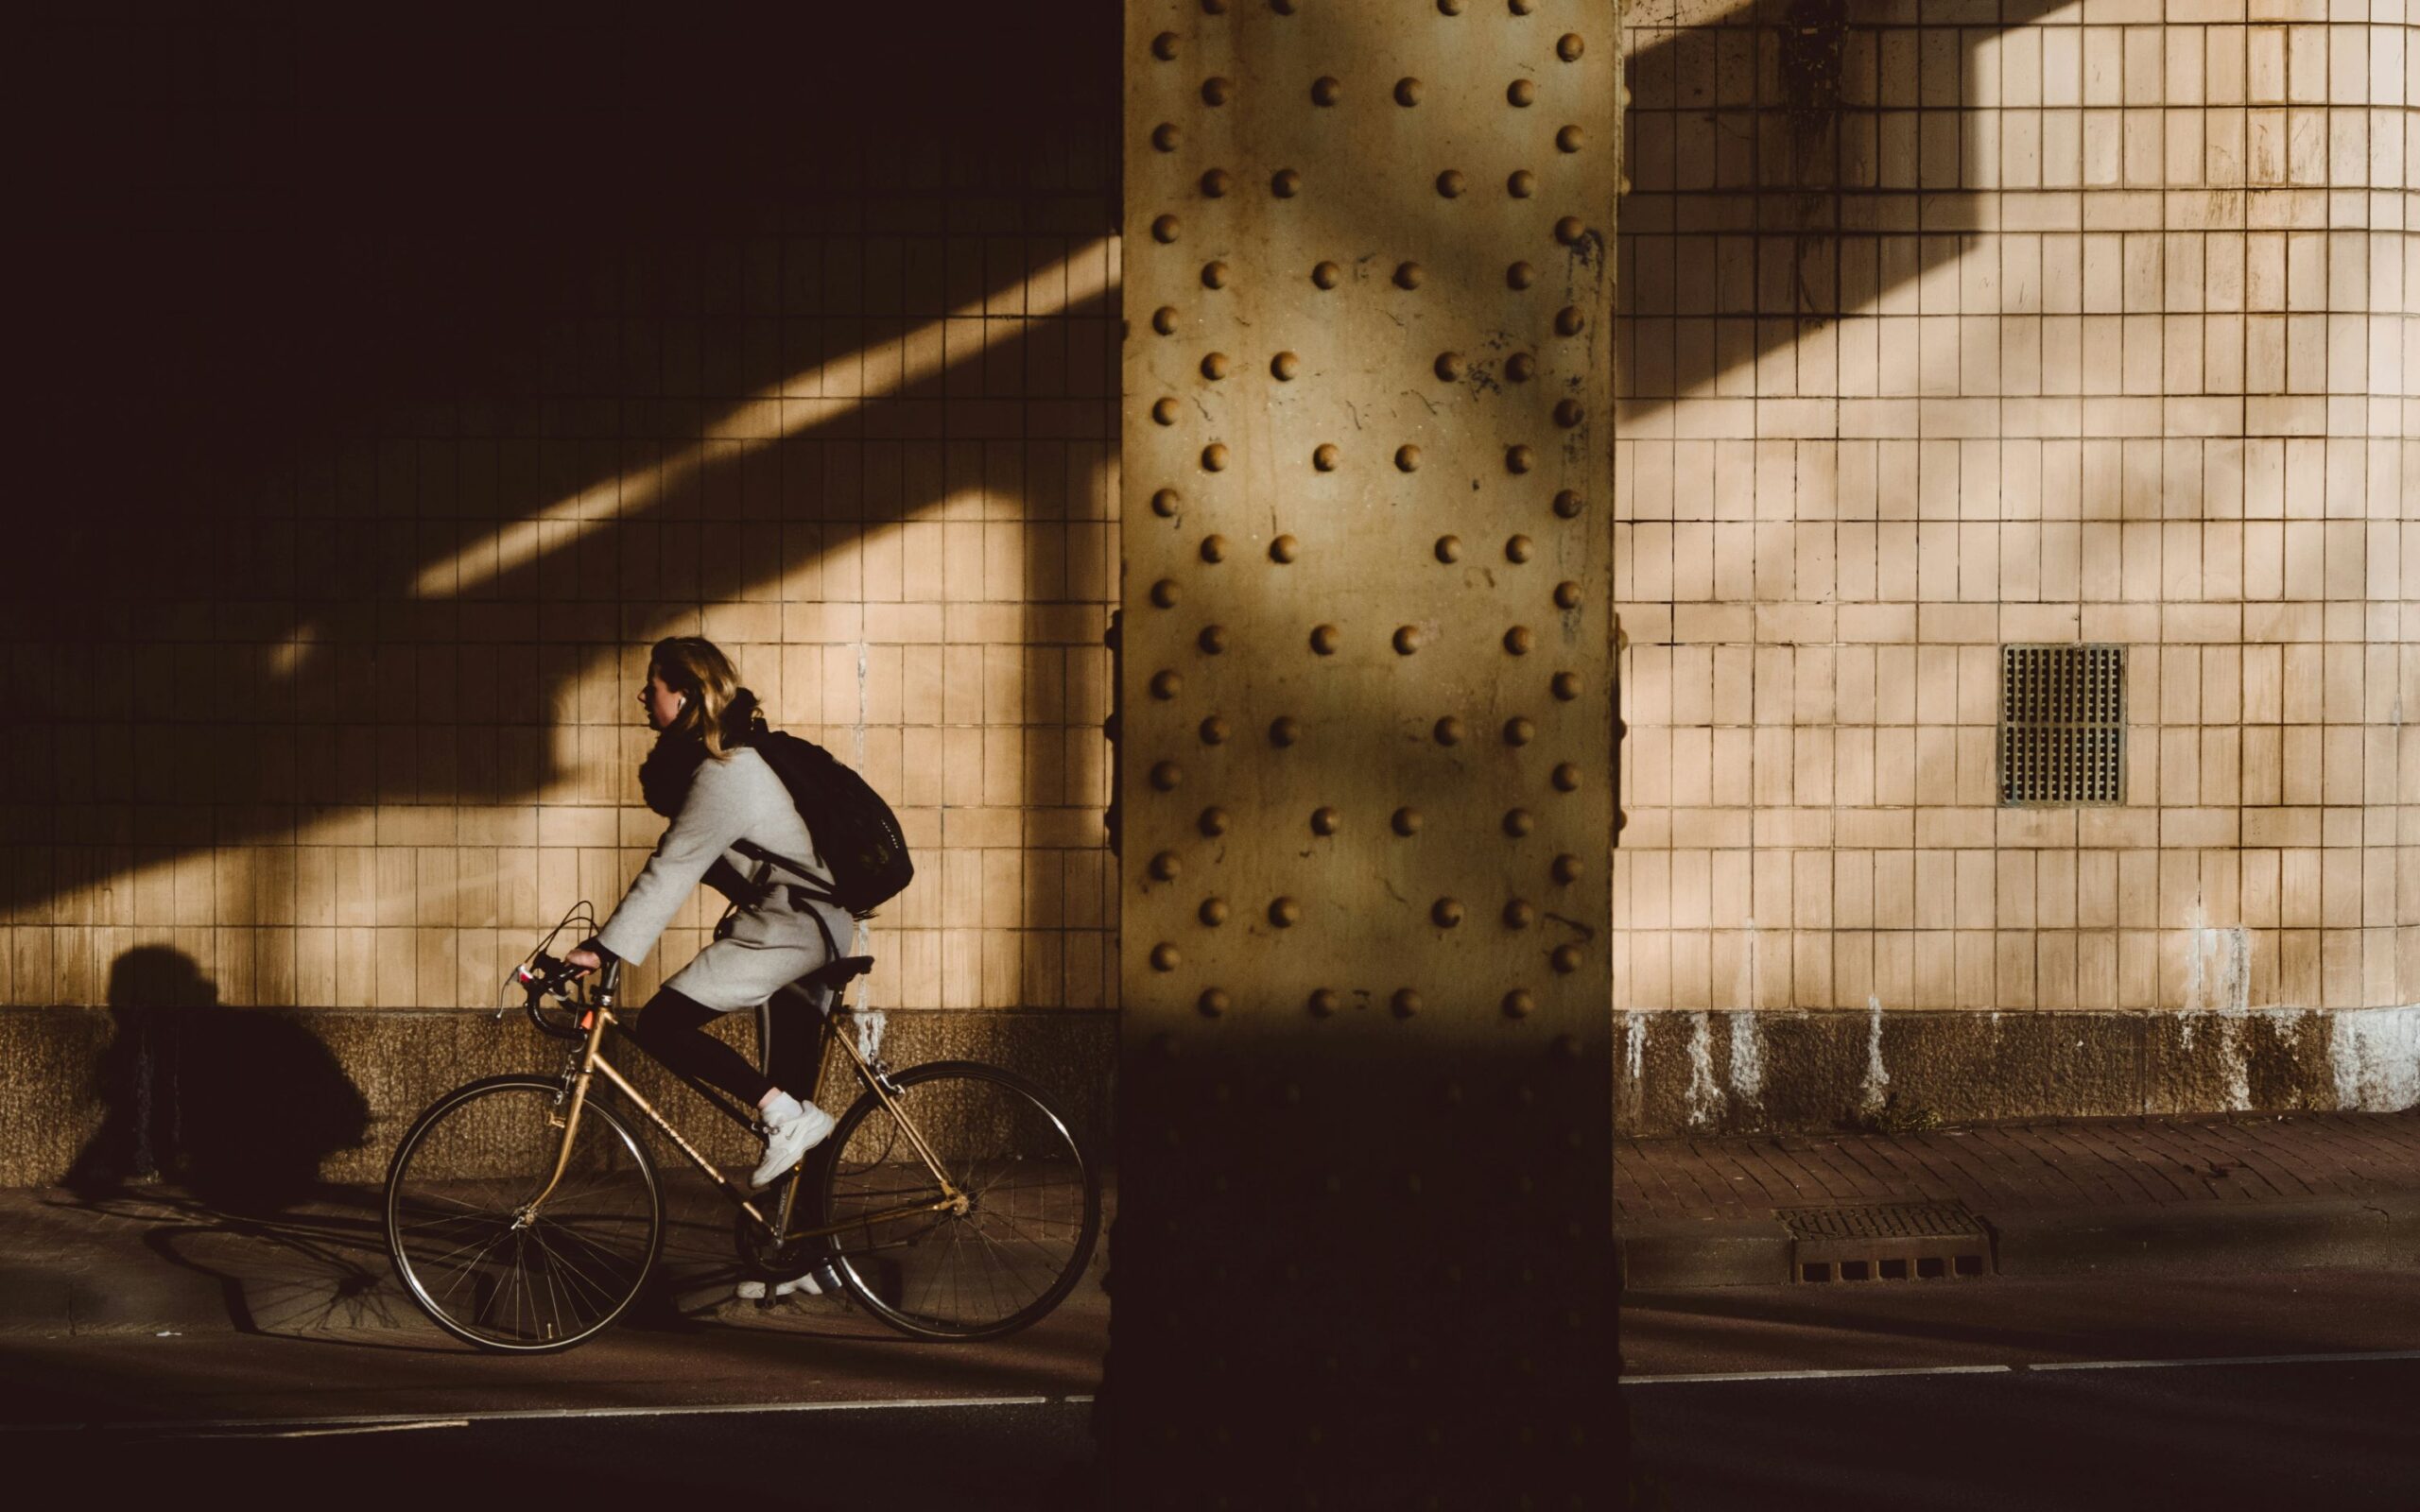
810, 891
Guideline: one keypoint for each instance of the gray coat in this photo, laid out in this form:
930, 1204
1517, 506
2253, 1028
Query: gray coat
765, 944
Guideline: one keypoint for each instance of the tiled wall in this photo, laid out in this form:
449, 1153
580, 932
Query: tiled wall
2094, 323
337, 700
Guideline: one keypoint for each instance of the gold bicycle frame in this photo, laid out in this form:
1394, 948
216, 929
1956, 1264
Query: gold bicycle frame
599, 1011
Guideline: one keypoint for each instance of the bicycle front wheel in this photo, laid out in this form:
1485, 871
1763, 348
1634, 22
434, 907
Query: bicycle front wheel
999, 1259
477, 1257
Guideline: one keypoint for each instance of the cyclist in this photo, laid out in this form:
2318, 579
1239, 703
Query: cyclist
704, 777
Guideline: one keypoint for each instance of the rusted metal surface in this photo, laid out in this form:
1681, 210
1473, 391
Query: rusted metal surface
1366, 753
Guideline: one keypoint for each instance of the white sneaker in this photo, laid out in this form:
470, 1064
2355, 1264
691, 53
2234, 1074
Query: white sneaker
786, 1144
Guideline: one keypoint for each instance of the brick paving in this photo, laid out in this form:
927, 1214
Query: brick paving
2023, 1167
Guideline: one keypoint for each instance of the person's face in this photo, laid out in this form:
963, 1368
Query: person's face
662, 704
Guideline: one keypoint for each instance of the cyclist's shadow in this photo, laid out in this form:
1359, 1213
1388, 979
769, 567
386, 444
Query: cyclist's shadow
216, 1124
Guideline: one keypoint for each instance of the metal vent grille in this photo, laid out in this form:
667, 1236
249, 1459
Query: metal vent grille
2063, 725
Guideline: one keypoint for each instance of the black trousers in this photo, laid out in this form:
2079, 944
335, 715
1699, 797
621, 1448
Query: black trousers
672, 1028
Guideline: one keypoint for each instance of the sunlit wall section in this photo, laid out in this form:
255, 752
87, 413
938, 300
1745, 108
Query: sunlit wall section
1954, 327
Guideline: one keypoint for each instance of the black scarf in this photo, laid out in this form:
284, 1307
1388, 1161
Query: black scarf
665, 775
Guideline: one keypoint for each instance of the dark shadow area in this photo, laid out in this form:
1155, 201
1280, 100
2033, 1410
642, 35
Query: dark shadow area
239, 1109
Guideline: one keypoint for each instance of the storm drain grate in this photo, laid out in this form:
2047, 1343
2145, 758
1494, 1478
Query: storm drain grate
1886, 1242
2063, 725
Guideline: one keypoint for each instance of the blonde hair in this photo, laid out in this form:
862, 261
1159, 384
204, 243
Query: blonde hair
696, 668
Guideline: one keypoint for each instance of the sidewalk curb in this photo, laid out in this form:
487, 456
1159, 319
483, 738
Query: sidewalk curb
2182, 1239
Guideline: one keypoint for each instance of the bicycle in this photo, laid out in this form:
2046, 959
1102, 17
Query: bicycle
525, 1213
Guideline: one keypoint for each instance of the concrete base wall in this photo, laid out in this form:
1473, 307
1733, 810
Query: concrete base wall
252, 1105
1750, 1071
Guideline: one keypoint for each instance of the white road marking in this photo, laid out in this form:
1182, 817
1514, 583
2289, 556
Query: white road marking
2021, 1368
298, 1427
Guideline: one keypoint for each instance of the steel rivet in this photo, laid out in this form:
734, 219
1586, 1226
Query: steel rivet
1164, 320
1212, 639
1569, 412
1565, 1047
1325, 821
1568, 139
1286, 183
1565, 869
1284, 366
1321, 1002
1326, 91
1405, 821
1214, 7
1521, 93
1566, 958
1448, 732
1517, 730
1323, 457
1568, 503
1449, 366
1445, 912
1212, 912
1449, 548
1518, 1004
1214, 366
1214, 548
1569, 320
1449, 182
1214, 275
1566, 594
1408, 275
1324, 639
1164, 45
1285, 549
1518, 914
1165, 866
1568, 46
1519, 459
1165, 593
1566, 685
1518, 548
1285, 731
1163, 411
1520, 366
1165, 957
1218, 91
1569, 230
1284, 7
1326, 274
1518, 640
1163, 503
1213, 822
1518, 822
1164, 227
1406, 638
1520, 276
1214, 1003
1407, 91
1522, 8
1566, 777
1407, 458
1213, 730
1214, 457
1164, 136
1217, 182
1285, 913
1449, 7
1405, 1003
1168, 776
1521, 185
1166, 684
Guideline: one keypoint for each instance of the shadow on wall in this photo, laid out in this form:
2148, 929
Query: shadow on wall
237, 1107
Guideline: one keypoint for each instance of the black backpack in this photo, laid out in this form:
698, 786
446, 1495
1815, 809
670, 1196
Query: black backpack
854, 829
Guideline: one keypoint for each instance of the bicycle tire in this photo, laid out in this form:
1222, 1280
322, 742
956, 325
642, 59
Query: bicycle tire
457, 1180
1027, 1240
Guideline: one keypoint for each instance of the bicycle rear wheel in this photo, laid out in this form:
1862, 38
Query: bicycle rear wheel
484, 1269
1031, 1215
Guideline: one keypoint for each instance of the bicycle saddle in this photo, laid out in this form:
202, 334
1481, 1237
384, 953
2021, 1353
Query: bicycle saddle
838, 975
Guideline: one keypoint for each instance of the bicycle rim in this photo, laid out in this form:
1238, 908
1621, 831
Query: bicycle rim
464, 1249
1033, 1204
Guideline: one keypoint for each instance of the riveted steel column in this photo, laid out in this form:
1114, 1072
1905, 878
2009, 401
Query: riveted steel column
1364, 1256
